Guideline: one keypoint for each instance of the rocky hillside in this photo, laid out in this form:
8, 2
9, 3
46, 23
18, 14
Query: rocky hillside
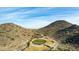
14, 37
68, 37
65, 33
55, 26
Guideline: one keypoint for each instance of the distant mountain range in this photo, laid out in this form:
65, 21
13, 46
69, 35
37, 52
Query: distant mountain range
15, 37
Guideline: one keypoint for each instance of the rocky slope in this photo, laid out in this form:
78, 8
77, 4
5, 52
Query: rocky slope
68, 37
65, 33
55, 26
14, 37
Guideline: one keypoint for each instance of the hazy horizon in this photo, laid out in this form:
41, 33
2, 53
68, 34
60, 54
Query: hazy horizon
37, 17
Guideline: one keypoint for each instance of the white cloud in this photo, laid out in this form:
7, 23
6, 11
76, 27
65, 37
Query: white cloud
73, 19
35, 24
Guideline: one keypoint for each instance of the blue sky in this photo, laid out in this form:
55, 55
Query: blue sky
37, 17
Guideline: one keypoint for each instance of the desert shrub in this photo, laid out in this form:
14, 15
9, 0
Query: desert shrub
12, 39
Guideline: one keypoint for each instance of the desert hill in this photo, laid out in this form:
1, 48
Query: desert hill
65, 33
69, 36
13, 37
55, 26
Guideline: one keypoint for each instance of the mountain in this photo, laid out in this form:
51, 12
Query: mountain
69, 36
59, 36
65, 33
55, 26
14, 37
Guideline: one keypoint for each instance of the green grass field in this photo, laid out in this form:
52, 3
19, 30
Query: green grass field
39, 41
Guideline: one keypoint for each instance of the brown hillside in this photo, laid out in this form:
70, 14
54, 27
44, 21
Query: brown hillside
68, 38
55, 26
14, 37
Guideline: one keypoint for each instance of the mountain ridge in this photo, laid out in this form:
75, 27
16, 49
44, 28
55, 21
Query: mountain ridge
15, 37
55, 26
